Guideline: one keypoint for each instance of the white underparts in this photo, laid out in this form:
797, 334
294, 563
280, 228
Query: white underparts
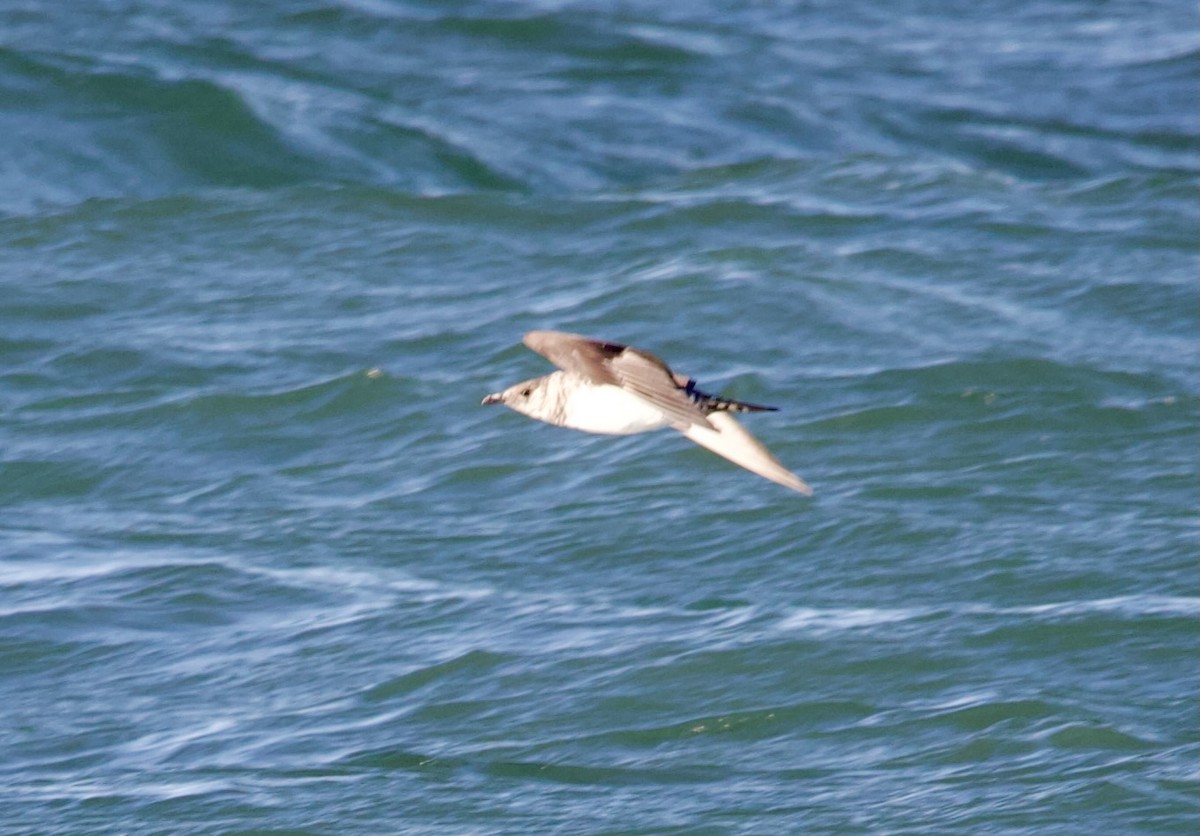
610, 410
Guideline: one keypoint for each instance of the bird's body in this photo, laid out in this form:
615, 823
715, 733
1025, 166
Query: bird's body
612, 389
606, 409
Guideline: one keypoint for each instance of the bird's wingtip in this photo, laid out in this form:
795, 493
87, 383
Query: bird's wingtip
536, 337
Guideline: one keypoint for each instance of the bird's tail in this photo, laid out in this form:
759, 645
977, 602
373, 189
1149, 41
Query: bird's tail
715, 403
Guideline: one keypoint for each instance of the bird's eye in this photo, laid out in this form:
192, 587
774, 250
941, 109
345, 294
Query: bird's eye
526, 392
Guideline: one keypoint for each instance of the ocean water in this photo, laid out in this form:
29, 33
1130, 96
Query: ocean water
266, 565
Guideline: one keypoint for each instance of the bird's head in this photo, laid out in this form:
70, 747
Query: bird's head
529, 397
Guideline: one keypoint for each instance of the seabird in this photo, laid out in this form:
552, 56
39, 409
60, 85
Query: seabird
613, 389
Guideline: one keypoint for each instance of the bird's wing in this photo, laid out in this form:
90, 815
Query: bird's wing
640, 372
732, 441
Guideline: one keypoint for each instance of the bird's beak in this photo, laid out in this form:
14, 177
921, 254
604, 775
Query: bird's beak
495, 397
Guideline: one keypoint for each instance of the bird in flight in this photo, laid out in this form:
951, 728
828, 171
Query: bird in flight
613, 389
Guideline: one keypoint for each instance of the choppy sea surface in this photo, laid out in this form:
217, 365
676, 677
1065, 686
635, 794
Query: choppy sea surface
267, 565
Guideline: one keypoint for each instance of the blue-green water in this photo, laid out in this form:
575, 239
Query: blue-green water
267, 565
